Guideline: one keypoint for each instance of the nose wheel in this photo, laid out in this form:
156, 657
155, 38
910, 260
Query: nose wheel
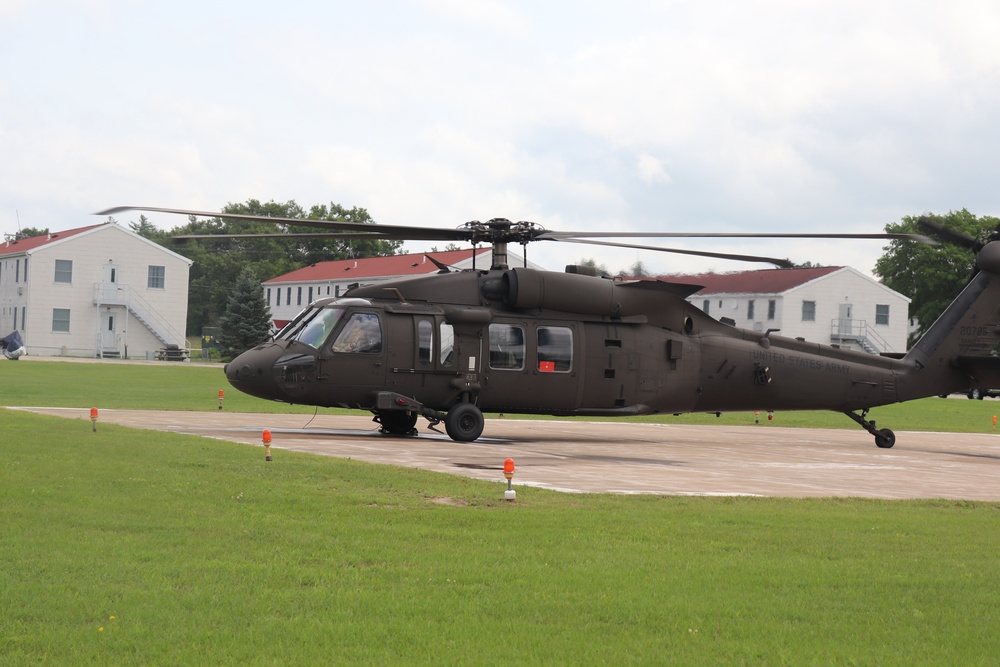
884, 438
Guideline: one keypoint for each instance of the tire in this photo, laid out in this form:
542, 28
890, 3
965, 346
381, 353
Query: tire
975, 394
464, 422
885, 439
397, 422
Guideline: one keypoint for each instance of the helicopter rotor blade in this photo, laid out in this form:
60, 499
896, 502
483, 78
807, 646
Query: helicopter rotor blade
392, 232
780, 263
502, 231
947, 234
560, 236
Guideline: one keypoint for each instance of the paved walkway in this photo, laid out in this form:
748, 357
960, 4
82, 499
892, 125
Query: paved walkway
618, 457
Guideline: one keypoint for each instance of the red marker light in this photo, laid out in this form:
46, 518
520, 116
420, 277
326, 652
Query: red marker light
266, 437
508, 466
93, 414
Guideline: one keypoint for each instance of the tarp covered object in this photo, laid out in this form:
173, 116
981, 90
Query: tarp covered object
13, 346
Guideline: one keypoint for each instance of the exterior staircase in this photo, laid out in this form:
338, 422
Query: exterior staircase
858, 331
117, 294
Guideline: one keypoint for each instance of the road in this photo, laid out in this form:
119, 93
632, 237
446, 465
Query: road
618, 457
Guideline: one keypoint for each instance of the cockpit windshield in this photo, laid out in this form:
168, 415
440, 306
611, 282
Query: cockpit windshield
312, 326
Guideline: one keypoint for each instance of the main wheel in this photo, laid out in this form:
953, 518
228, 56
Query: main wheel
885, 438
464, 422
397, 422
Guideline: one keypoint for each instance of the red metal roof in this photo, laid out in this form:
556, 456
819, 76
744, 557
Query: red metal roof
32, 242
766, 281
376, 267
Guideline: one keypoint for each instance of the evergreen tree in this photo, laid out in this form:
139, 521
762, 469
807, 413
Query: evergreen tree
247, 319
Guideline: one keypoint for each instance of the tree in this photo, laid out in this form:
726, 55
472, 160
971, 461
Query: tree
601, 269
931, 275
29, 232
247, 320
145, 228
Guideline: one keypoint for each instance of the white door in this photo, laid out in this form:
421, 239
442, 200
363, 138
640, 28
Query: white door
845, 325
108, 331
110, 283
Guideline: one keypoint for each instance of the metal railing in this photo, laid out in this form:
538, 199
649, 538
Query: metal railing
118, 294
860, 332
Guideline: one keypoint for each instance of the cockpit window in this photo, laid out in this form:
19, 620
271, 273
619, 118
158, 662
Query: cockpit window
361, 333
312, 326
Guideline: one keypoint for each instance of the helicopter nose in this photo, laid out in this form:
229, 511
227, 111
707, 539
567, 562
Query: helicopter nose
251, 373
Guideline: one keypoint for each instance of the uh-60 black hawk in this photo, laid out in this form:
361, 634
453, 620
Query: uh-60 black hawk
451, 345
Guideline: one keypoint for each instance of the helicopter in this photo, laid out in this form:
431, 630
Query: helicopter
452, 345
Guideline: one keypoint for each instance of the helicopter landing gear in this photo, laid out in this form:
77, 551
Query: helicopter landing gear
397, 422
884, 438
464, 422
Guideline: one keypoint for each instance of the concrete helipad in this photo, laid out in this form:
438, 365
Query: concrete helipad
618, 457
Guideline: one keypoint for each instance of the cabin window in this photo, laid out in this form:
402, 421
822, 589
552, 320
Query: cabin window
60, 319
316, 328
808, 311
446, 357
555, 349
361, 334
64, 271
506, 347
882, 314
425, 342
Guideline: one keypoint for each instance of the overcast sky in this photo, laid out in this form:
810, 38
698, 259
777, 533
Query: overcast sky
785, 115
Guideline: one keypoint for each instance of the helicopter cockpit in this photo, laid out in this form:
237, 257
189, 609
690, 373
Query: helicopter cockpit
285, 368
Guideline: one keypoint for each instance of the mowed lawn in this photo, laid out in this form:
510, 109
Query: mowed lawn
124, 546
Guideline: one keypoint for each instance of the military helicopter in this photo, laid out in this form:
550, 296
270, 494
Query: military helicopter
451, 345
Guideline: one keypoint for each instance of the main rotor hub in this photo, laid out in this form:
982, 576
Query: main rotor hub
502, 230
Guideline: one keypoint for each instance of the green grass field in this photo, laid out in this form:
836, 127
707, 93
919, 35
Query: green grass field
196, 387
138, 547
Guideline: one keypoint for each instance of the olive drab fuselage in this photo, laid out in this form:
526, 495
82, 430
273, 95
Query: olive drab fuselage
527, 341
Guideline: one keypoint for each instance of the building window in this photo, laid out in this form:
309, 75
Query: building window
157, 277
17, 271
310, 294
882, 314
64, 271
288, 296
772, 305
808, 311
704, 305
269, 296
750, 309
299, 302
60, 319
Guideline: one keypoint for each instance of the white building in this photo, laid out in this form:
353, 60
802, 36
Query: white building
831, 305
101, 291
288, 294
